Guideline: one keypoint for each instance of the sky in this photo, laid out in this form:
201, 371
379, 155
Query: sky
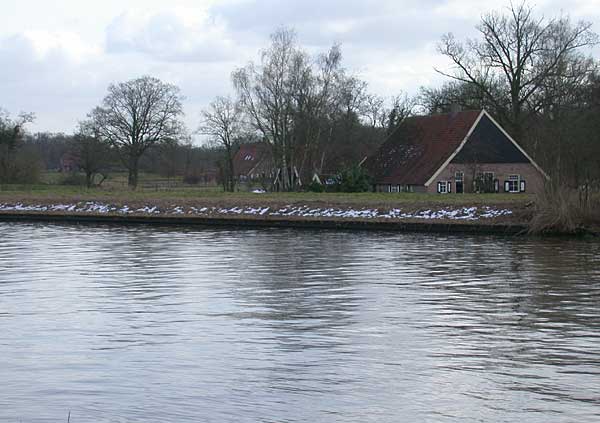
58, 57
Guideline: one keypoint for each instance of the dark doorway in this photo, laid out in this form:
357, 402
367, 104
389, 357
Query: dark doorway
459, 178
459, 187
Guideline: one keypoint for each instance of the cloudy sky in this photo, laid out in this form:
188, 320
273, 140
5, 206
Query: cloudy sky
57, 57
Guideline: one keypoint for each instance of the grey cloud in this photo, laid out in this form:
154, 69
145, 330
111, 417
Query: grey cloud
389, 43
164, 36
377, 25
61, 92
267, 14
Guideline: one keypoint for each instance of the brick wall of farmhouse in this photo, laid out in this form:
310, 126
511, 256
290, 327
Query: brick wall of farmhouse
534, 180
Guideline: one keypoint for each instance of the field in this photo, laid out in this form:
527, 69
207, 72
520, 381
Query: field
215, 195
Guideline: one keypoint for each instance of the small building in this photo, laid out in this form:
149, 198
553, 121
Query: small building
466, 151
253, 165
68, 163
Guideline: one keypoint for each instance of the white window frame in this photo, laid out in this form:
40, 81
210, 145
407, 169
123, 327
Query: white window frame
443, 187
394, 188
516, 180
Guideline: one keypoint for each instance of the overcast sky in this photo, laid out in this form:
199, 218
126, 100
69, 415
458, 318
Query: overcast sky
57, 57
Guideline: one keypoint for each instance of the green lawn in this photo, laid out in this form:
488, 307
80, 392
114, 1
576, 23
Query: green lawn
154, 188
215, 195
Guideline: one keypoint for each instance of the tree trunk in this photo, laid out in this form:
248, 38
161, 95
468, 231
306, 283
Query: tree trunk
132, 180
88, 178
230, 171
284, 171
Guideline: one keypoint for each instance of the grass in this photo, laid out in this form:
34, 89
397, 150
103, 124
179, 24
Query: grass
156, 191
212, 194
551, 211
560, 210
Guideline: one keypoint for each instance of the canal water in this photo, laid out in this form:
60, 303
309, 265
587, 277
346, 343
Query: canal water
143, 324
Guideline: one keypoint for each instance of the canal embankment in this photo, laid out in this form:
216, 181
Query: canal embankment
450, 214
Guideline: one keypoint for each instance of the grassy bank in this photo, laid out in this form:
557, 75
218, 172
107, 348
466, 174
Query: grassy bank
170, 197
510, 213
213, 203
214, 194
154, 188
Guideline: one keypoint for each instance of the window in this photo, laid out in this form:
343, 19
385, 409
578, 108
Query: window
395, 188
248, 157
512, 185
444, 187
459, 180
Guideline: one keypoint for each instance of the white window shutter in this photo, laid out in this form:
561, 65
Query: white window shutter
506, 186
449, 186
522, 186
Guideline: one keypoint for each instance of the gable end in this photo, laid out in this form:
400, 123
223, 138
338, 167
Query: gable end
488, 144
514, 154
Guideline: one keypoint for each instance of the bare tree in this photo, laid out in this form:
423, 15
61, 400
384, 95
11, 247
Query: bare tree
466, 95
401, 107
285, 98
137, 115
90, 152
373, 111
264, 92
515, 57
11, 134
380, 113
314, 105
222, 123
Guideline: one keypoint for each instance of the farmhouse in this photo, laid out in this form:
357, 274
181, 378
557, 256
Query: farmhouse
253, 164
466, 151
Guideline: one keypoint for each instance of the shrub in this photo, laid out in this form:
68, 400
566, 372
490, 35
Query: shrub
20, 167
315, 187
354, 179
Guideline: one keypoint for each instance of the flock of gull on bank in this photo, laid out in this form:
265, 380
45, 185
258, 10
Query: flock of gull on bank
292, 211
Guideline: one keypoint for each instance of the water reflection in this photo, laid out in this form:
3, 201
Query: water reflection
150, 324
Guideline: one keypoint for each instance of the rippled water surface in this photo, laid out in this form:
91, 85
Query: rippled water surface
140, 324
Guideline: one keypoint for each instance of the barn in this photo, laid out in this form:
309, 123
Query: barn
458, 152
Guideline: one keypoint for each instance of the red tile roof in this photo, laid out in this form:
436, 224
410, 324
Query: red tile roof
419, 147
248, 157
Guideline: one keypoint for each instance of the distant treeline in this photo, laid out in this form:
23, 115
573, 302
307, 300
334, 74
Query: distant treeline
63, 153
